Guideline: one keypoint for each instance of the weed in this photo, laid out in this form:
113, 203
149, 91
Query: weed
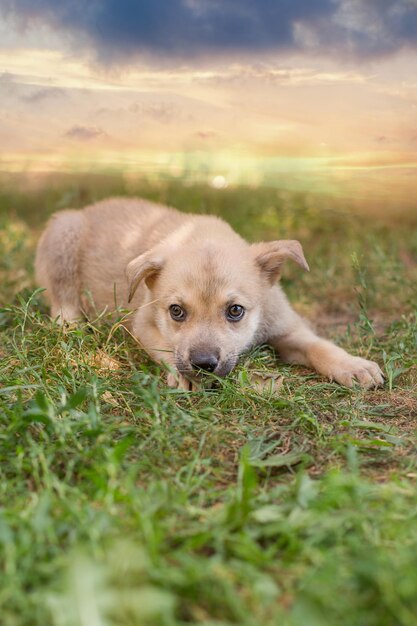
123, 502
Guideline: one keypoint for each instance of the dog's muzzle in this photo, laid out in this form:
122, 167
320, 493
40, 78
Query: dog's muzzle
200, 362
204, 361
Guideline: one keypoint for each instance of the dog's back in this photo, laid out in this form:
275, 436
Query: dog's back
89, 249
116, 231
82, 255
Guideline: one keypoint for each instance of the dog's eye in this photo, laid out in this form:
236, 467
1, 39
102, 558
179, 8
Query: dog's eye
235, 312
177, 312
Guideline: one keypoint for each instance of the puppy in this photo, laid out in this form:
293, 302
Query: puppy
198, 293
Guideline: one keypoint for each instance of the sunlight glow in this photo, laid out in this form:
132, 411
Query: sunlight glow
219, 182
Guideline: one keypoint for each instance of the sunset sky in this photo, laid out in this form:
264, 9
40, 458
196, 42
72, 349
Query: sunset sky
251, 90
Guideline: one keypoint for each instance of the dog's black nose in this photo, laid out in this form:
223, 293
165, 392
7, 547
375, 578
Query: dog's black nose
203, 361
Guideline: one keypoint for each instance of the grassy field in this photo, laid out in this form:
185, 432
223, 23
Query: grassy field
126, 503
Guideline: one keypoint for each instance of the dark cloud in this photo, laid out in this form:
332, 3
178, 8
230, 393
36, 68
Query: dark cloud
9, 86
163, 112
121, 29
44, 93
12, 85
124, 27
84, 133
364, 28
205, 134
383, 140
6, 78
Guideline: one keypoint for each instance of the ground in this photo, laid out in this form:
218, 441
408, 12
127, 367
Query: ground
278, 498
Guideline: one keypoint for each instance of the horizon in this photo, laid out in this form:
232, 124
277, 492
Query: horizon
325, 102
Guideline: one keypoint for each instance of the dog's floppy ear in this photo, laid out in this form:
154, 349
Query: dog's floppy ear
269, 256
144, 267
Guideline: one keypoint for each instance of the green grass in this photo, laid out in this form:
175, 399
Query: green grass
126, 503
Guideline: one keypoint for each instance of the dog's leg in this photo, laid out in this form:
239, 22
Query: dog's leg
297, 343
57, 264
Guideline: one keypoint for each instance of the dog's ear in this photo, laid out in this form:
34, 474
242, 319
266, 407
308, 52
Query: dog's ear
269, 256
144, 267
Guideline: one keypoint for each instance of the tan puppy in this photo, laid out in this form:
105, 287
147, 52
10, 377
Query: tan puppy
199, 294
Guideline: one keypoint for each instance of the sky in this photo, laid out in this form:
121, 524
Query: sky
288, 92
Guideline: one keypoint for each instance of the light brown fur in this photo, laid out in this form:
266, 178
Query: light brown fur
146, 257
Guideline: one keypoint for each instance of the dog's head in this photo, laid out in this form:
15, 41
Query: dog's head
207, 298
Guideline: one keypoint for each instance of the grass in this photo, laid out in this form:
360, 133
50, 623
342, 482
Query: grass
126, 503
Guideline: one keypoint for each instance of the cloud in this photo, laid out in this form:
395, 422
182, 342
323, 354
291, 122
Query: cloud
271, 74
7, 78
363, 27
383, 139
43, 93
163, 112
205, 134
12, 85
125, 27
84, 133
121, 29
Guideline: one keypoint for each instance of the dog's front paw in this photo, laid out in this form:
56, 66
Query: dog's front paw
353, 369
177, 381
